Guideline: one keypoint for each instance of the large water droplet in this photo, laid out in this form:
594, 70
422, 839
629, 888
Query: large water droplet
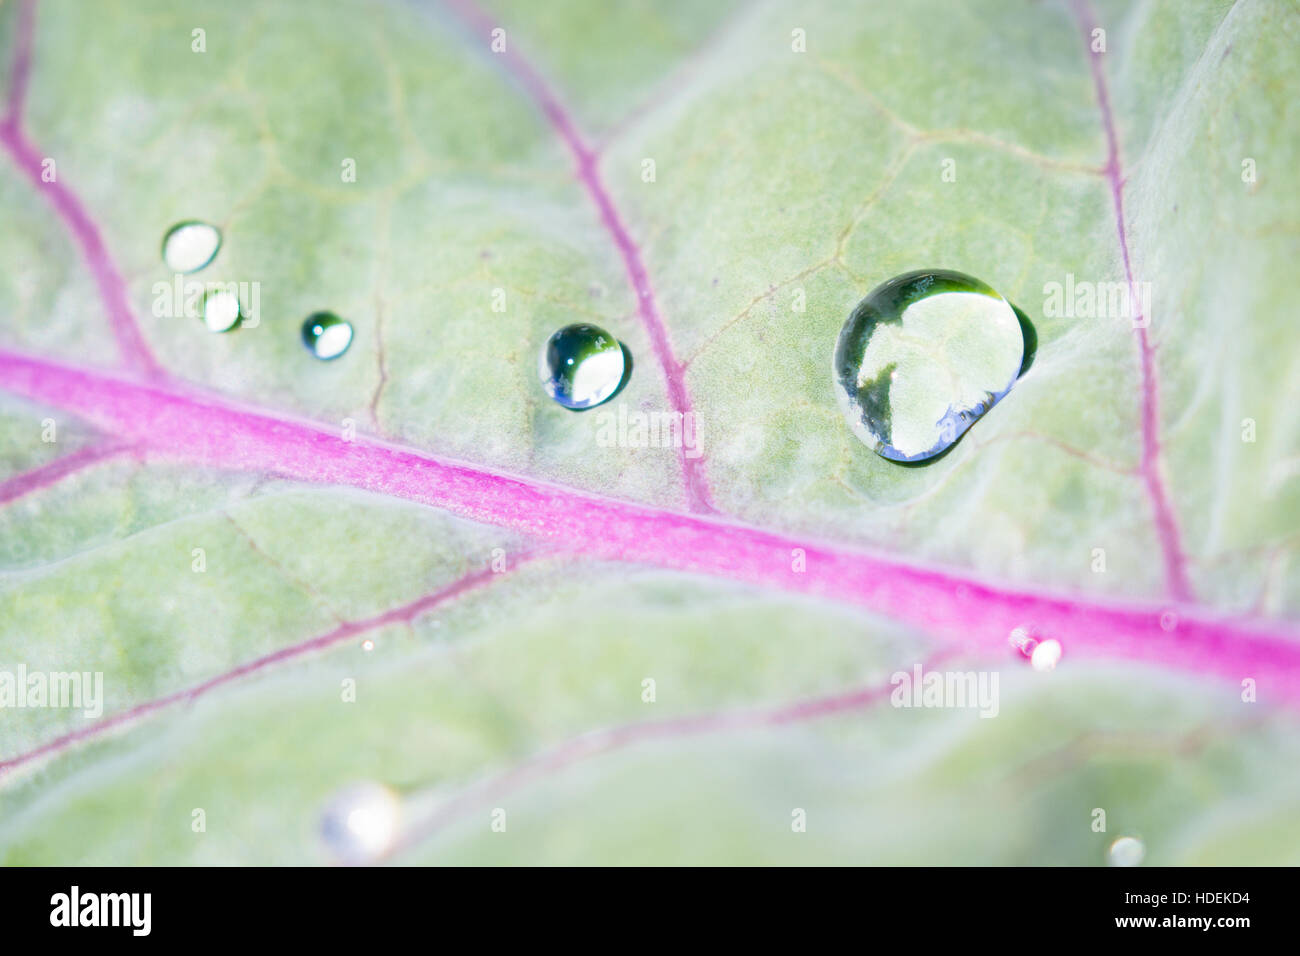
1126, 851
360, 822
326, 335
581, 366
219, 310
921, 358
191, 245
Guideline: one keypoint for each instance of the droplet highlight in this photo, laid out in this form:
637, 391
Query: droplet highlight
1042, 655
922, 358
220, 310
189, 246
581, 366
326, 335
360, 822
1126, 851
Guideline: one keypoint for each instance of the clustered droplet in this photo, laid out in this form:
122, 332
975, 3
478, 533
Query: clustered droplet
922, 358
192, 245
581, 366
918, 362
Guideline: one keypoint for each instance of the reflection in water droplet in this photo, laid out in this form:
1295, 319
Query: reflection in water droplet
921, 358
189, 246
1126, 851
326, 335
219, 310
367, 645
581, 366
360, 822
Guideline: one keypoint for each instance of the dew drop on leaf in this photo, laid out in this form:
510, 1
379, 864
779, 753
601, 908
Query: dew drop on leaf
189, 246
922, 358
1126, 851
219, 310
581, 366
360, 822
326, 335
1022, 640
1045, 655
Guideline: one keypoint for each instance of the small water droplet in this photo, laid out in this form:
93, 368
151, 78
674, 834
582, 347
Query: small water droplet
219, 310
367, 645
326, 335
1126, 851
1045, 655
190, 245
1022, 641
1168, 621
958, 344
581, 366
360, 822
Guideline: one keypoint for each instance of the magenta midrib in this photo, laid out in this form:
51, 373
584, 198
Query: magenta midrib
588, 171
170, 421
1166, 521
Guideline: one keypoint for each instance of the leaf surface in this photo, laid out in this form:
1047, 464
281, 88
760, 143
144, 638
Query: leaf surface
510, 654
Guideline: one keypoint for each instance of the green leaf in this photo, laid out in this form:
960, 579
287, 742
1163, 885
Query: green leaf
717, 185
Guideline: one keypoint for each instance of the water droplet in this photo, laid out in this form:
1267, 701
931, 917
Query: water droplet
326, 335
1046, 655
219, 310
367, 645
190, 245
1168, 621
581, 366
921, 358
1042, 655
1022, 641
360, 822
1126, 851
